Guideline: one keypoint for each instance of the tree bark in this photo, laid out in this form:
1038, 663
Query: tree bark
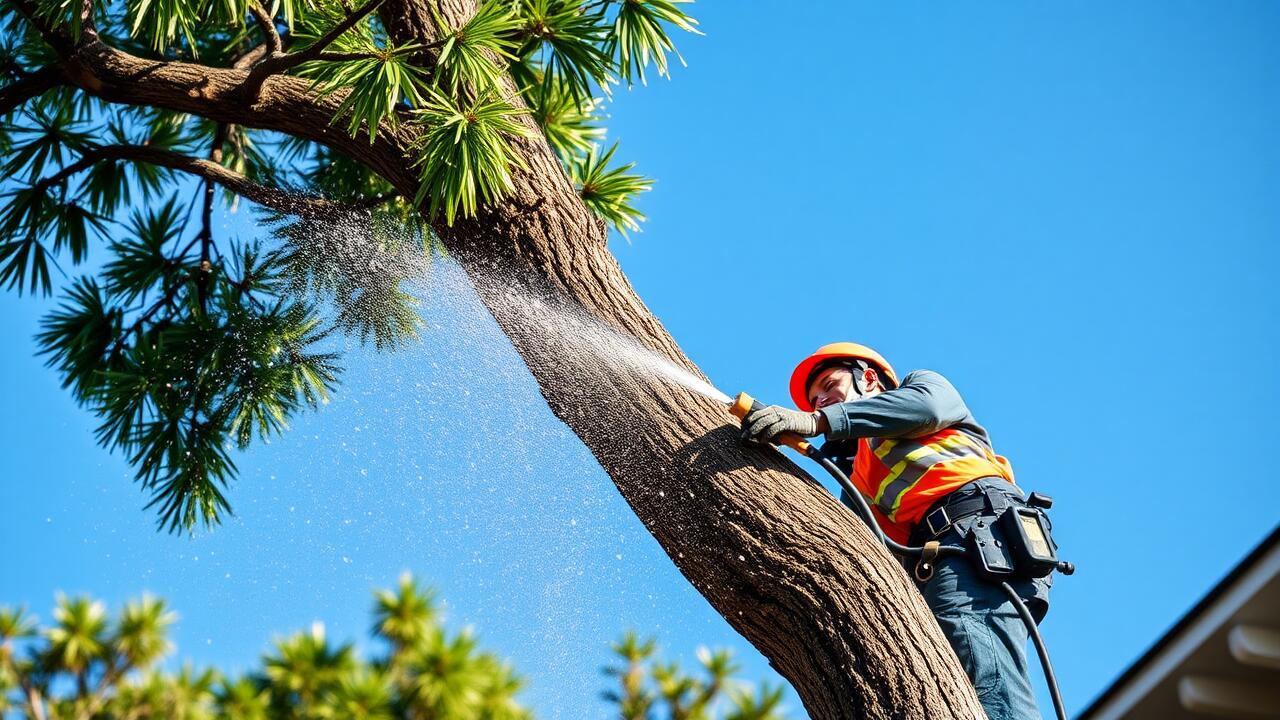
791, 569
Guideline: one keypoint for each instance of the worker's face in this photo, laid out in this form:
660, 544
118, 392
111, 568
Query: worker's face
836, 385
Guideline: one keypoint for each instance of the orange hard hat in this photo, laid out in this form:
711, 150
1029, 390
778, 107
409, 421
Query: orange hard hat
834, 351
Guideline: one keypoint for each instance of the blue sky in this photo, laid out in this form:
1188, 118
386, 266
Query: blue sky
1069, 209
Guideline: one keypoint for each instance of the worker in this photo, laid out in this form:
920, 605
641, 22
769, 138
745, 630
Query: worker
929, 472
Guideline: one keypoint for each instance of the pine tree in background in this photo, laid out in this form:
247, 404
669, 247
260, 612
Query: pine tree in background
649, 689
88, 665
470, 126
92, 666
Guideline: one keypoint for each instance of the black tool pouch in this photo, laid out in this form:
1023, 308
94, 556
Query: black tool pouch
987, 550
1026, 530
1013, 542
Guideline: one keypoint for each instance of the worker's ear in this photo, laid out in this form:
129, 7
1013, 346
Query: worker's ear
871, 380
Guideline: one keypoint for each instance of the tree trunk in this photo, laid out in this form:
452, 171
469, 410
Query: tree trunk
791, 569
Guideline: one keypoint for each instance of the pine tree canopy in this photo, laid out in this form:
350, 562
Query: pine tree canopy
188, 345
90, 663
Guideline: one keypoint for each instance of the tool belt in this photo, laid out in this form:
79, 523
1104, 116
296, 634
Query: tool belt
1002, 535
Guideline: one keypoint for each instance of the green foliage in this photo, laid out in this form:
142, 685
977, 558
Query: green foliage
468, 59
568, 40
162, 22
403, 616
49, 138
359, 265
374, 85
568, 124
193, 27
79, 637
141, 632
87, 664
648, 688
214, 354
639, 35
187, 345
465, 153
608, 191
140, 260
63, 13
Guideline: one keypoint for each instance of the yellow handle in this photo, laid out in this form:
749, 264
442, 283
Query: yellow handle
744, 404
795, 442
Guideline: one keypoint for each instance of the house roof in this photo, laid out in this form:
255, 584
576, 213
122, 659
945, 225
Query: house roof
1220, 659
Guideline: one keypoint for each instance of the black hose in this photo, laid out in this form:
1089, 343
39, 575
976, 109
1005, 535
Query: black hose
1041, 650
864, 510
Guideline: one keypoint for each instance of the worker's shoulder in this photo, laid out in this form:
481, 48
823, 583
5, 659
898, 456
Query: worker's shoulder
925, 377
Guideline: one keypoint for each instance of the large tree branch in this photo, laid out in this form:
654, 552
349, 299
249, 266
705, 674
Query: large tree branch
29, 86
212, 172
287, 104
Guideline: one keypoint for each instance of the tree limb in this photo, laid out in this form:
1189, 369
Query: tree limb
98, 697
35, 702
88, 25
289, 104
312, 51
29, 86
278, 62
252, 56
268, 25
211, 171
206, 217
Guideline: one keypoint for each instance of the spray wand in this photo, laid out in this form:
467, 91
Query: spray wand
744, 404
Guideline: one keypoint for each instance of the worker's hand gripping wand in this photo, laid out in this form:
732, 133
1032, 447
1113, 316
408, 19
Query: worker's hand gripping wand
744, 404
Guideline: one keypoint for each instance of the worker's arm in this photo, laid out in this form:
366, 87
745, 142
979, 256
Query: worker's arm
925, 403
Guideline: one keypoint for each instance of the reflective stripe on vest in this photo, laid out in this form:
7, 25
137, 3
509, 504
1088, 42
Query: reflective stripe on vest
909, 460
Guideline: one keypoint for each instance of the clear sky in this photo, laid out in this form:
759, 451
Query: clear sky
1069, 209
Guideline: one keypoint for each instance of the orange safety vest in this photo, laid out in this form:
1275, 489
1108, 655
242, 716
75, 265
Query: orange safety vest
903, 477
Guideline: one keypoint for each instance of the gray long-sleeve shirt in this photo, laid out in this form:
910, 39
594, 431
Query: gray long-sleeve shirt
924, 403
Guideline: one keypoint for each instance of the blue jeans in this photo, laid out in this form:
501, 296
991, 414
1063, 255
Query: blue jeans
982, 625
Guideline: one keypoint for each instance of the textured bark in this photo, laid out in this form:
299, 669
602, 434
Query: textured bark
788, 567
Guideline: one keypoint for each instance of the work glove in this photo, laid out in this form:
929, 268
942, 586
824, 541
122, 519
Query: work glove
765, 424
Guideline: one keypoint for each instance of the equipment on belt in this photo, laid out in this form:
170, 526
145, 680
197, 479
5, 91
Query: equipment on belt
1032, 552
